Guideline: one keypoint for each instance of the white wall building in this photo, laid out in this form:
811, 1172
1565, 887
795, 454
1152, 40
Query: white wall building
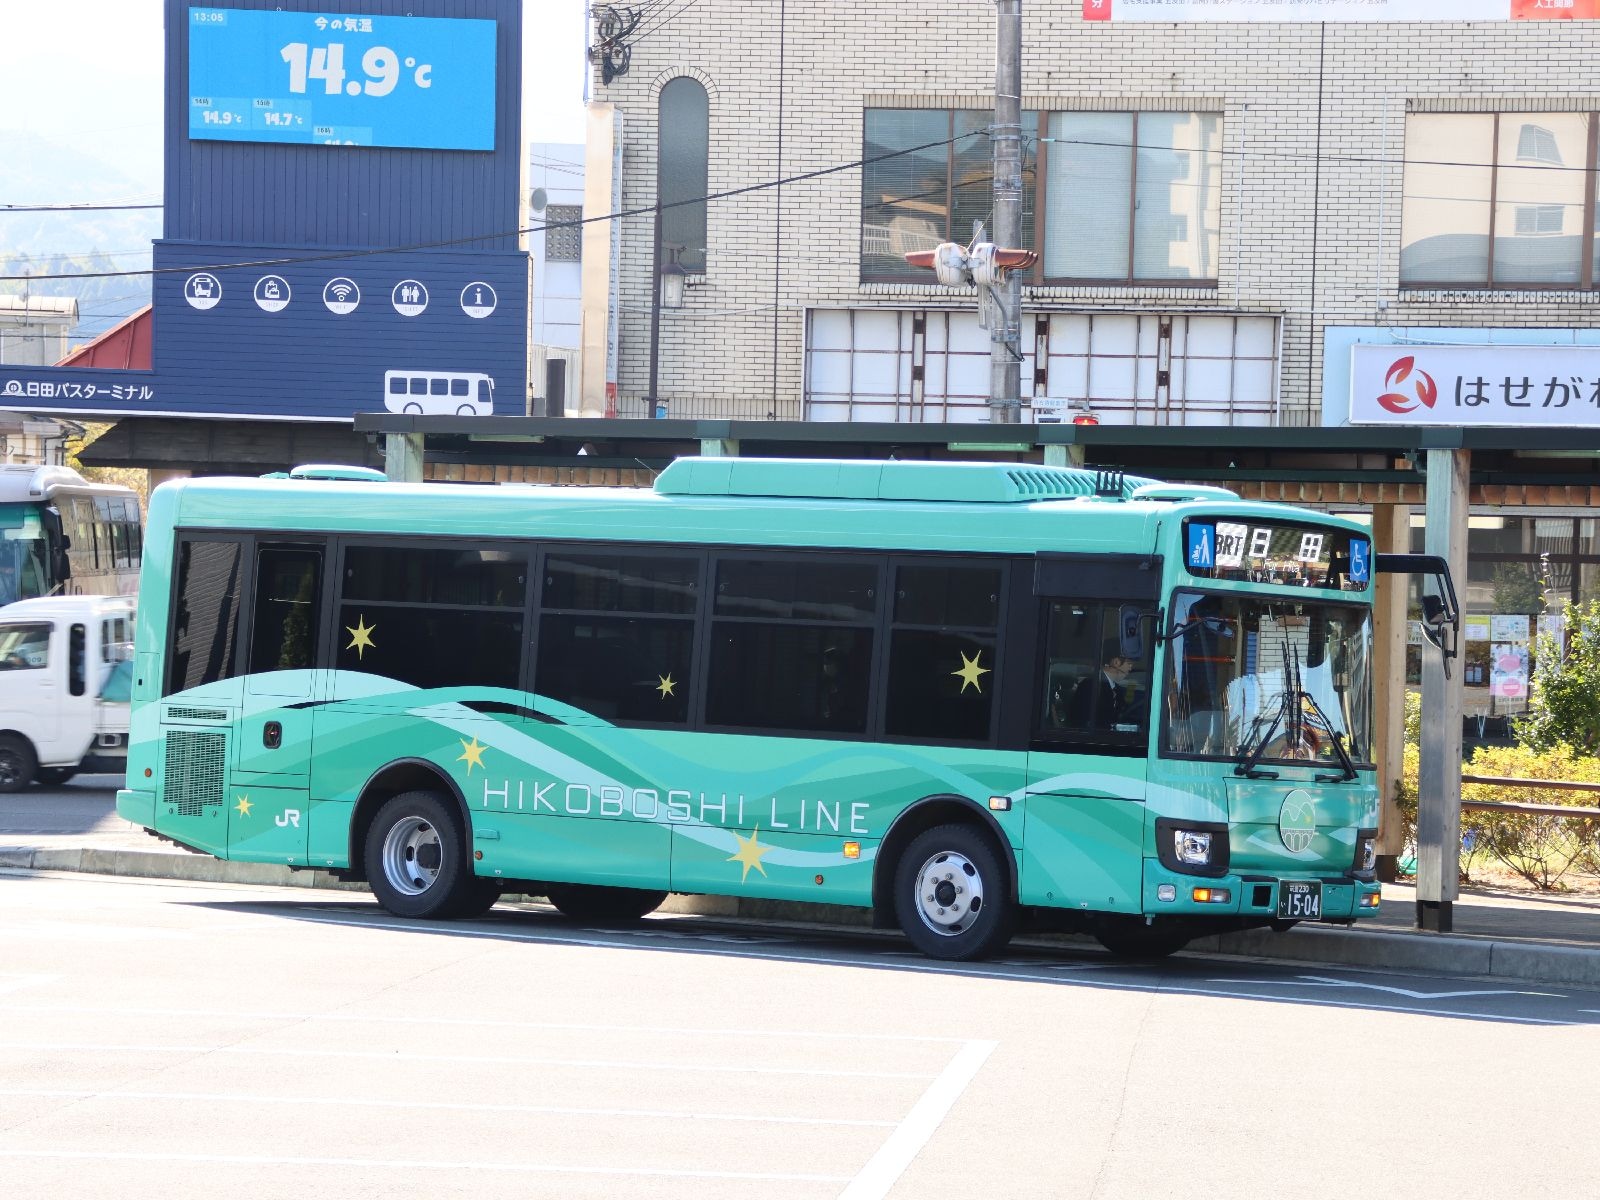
555, 202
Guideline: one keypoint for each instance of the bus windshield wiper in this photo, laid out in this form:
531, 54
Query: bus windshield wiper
1249, 757
1336, 738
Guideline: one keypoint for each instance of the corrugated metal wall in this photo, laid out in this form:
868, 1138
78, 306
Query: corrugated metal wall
250, 193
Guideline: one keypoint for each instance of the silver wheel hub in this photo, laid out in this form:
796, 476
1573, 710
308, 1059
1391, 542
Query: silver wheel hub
411, 856
949, 893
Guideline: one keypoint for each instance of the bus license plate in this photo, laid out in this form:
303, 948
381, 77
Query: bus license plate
1300, 901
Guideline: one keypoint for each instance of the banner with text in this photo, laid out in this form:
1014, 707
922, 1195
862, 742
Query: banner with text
1340, 10
1475, 385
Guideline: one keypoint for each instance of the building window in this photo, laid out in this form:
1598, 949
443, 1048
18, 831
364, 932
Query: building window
563, 235
683, 171
1132, 197
926, 177
1126, 197
1499, 200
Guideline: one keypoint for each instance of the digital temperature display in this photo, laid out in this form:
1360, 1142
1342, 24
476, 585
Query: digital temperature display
338, 80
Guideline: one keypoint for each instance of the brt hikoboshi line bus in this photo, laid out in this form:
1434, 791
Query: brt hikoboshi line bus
960, 695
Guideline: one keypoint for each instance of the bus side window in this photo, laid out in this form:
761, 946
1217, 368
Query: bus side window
458, 387
1096, 677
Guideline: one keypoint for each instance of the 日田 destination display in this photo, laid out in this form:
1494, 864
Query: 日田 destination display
334, 79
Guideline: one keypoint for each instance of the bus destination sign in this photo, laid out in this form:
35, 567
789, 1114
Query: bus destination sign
1275, 552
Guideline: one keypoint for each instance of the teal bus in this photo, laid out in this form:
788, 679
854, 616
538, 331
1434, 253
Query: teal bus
968, 697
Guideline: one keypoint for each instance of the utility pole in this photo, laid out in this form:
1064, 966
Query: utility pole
1005, 334
995, 267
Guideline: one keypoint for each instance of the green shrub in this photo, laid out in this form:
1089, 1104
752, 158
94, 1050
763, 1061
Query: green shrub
1540, 848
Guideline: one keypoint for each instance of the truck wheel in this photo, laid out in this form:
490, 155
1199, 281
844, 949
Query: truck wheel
17, 763
55, 776
613, 905
416, 858
952, 895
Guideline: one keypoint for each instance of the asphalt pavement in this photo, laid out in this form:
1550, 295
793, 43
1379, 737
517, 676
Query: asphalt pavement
1547, 938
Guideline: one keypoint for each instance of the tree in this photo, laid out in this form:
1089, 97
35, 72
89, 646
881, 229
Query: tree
1564, 705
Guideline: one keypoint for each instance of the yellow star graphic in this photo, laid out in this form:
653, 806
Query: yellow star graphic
666, 685
361, 637
970, 671
244, 806
750, 853
472, 753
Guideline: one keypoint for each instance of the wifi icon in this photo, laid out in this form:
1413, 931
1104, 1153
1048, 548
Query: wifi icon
341, 295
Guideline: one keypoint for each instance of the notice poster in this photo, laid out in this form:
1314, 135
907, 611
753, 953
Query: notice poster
1508, 671
1475, 629
1341, 10
1510, 627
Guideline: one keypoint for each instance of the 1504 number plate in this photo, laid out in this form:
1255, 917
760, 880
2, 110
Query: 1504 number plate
1300, 901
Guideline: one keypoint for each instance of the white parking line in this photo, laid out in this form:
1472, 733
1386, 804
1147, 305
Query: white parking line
99, 1010
368, 1102
739, 1068
15, 983
389, 1164
912, 1134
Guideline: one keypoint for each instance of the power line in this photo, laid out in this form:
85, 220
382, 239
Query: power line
489, 237
24, 208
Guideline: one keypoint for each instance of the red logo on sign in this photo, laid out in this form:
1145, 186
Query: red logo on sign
1097, 10
1426, 391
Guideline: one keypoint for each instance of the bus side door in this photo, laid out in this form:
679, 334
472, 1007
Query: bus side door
270, 813
1088, 755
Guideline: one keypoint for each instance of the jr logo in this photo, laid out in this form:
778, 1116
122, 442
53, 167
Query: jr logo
288, 817
1426, 391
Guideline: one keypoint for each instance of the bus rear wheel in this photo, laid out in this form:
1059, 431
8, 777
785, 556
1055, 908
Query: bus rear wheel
416, 858
951, 894
17, 763
612, 905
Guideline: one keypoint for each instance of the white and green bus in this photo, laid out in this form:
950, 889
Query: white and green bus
960, 695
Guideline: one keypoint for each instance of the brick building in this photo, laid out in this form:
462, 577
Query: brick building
1208, 200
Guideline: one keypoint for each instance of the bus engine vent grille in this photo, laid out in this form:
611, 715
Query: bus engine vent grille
196, 763
178, 713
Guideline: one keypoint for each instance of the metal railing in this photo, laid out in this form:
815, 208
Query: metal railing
1541, 810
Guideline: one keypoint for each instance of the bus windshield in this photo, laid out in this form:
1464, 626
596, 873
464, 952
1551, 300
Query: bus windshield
1259, 679
22, 553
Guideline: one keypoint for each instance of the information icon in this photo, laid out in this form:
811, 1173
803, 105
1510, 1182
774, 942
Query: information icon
272, 293
409, 298
478, 300
341, 295
202, 290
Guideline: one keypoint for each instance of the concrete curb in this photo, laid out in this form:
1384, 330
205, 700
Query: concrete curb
1528, 962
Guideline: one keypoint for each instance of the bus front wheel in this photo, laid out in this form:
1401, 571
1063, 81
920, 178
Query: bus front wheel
589, 902
17, 763
1133, 939
951, 894
416, 857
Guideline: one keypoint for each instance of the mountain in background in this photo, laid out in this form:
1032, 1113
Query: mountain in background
39, 171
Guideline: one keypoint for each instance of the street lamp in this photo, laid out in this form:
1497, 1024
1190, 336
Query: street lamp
673, 280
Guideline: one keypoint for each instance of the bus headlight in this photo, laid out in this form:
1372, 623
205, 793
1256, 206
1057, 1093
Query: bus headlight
1192, 847
1366, 859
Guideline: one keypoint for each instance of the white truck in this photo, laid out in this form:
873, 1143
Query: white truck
65, 670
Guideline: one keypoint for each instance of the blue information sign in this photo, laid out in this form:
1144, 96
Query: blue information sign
1360, 560
337, 80
1202, 546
